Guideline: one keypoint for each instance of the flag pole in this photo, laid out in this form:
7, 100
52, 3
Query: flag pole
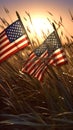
57, 36
19, 18
23, 27
21, 23
56, 33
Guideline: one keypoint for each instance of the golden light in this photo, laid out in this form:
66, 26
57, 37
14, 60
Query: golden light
39, 28
41, 25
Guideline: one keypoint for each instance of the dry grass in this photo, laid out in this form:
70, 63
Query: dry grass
49, 104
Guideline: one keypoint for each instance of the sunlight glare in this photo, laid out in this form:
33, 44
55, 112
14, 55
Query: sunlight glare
42, 25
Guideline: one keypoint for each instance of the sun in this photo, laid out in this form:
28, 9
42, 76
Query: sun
38, 28
41, 25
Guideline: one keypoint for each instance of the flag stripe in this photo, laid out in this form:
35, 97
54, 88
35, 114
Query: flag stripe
20, 46
29, 62
32, 65
41, 74
37, 64
57, 61
40, 71
63, 62
11, 52
57, 57
2, 33
3, 41
10, 46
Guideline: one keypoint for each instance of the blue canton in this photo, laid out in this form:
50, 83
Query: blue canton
40, 50
14, 31
52, 43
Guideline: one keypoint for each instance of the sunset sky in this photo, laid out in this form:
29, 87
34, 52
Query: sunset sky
38, 9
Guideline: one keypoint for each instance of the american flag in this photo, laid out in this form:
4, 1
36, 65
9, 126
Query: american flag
50, 52
12, 39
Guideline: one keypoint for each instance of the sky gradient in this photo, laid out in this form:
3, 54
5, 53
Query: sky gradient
39, 8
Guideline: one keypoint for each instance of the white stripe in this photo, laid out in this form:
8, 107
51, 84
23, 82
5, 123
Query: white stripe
23, 43
2, 38
11, 50
59, 49
4, 43
52, 60
1, 34
30, 61
31, 67
64, 59
41, 65
35, 63
39, 69
59, 56
11, 44
41, 74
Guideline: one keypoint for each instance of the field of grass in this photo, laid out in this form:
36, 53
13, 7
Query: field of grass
27, 104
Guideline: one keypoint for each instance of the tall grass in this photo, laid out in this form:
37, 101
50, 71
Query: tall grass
26, 102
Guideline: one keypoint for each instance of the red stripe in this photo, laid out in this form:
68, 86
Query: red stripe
5, 45
58, 59
11, 47
13, 52
41, 70
2, 34
30, 58
38, 71
29, 63
62, 63
24, 39
34, 67
1, 42
40, 63
36, 64
57, 53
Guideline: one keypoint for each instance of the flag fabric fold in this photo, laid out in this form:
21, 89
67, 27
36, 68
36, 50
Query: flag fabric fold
12, 39
35, 62
50, 52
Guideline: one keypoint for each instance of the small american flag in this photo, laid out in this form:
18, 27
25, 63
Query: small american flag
50, 52
12, 39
